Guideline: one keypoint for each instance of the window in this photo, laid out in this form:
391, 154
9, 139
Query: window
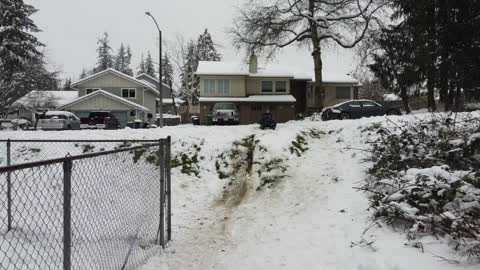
267, 86
369, 104
129, 93
209, 86
354, 104
224, 87
342, 92
281, 86
91, 90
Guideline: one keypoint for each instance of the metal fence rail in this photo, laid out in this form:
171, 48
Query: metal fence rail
103, 210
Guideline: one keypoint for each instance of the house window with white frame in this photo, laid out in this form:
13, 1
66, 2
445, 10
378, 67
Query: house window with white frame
224, 87
209, 86
129, 93
267, 86
91, 90
281, 86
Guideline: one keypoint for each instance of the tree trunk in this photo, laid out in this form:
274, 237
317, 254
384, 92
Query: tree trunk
458, 99
404, 96
431, 56
317, 59
444, 55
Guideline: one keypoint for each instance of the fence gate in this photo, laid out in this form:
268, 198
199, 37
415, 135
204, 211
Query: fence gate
101, 210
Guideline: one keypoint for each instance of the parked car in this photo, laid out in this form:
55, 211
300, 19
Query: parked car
100, 120
225, 113
355, 109
58, 120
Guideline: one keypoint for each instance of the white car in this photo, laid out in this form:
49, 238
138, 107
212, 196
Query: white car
59, 120
225, 113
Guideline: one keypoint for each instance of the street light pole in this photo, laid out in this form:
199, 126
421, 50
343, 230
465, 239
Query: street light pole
159, 69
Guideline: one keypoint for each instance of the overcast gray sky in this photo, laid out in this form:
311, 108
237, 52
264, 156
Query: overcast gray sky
71, 29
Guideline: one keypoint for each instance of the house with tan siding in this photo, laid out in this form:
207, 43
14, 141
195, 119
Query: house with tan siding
255, 90
129, 98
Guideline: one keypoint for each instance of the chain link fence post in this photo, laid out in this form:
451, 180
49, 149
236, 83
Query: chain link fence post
169, 188
67, 222
9, 187
161, 229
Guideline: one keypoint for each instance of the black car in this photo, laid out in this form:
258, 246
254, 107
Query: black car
100, 120
355, 109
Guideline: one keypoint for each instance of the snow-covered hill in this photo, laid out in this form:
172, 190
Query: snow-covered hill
311, 217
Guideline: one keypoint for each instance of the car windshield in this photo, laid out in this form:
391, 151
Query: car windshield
55, 116
224, 106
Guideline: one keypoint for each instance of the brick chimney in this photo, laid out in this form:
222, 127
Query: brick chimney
253, 65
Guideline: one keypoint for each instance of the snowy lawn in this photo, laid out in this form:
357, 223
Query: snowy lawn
285, 199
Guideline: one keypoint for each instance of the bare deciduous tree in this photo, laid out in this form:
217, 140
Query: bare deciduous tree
265, 26
38, 102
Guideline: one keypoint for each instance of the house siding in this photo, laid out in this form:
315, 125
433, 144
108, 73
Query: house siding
330, 98
237, 86
150, 101
99, 103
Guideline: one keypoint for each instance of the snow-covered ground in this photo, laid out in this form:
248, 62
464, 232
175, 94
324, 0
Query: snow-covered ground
314, 218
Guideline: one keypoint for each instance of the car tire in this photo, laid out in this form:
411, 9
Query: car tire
344, 116
69, 127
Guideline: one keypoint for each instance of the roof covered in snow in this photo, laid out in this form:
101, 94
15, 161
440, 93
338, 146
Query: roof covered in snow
238, 69
120, 74
255, 98
59, 98
150, 79
107, 94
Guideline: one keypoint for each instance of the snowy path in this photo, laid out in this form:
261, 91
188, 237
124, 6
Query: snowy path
315, 219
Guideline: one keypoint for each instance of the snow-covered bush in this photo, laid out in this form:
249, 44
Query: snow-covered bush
426, 177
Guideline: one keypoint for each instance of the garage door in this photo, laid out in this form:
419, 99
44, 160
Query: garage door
122, 118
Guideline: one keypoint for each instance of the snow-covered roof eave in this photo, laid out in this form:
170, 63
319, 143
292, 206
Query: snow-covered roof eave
153, 78
98, 92
254, 98
114, 71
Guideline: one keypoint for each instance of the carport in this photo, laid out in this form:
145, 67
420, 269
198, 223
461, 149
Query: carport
125, 110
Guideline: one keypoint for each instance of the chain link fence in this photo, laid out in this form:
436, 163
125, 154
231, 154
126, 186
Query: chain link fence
102, 210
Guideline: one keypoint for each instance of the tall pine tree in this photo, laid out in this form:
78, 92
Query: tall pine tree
149, 66
203, 49
206, 48
167, 70
123, 59
19, 52
104, 51
120, 58
141, 66
128, 61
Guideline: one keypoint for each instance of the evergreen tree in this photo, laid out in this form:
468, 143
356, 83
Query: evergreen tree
128, 61
104, 58
19, 51
189, 82
149, 67
84, 74
202, 50
167, 70
206, 48
18, 45
120, 58
141, 67
123, 60
67, 85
